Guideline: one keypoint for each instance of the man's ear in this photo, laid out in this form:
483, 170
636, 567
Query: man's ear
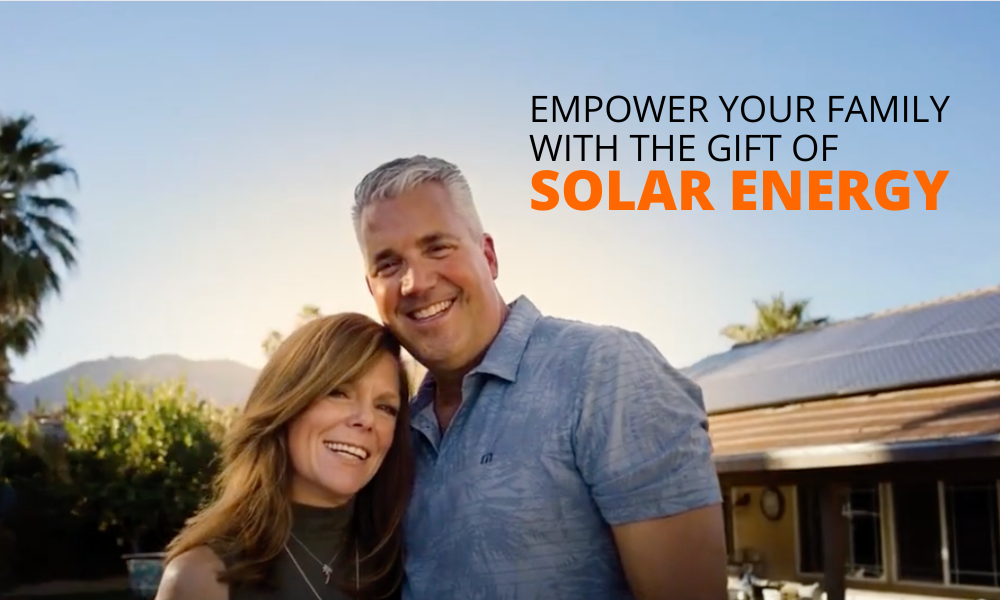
489, 250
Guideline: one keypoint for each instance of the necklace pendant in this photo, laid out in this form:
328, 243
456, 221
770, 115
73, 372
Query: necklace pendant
328, 572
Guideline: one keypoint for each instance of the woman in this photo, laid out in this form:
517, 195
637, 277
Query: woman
316, 476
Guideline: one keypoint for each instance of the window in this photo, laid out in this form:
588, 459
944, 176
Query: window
917, 517
809, 513
971, 517
963, 518
864, 531
865, 554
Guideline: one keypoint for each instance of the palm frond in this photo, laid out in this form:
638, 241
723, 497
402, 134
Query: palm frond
774, 317
34, 238
32, 234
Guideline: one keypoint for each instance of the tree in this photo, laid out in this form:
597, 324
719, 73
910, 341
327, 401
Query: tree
142, 457
7, 406
19, 326
307, 313
10, 443
34, 236
774, 318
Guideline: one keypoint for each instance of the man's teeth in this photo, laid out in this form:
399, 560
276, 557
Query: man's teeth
359, 453
433, 309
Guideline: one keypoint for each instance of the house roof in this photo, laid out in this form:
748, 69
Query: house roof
865, 429
947, 340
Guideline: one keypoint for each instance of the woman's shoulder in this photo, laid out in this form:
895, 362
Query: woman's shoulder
193, 574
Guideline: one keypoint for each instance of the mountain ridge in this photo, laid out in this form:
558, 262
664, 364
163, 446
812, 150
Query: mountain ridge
223, 381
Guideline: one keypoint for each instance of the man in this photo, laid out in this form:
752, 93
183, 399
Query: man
556, 460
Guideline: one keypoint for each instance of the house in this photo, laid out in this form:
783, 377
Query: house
866, 453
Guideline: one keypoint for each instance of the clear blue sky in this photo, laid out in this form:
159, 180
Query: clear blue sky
218, 146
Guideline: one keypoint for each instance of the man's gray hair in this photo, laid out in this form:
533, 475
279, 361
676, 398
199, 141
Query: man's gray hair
401, 175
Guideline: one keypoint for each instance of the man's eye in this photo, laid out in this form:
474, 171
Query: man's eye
385, 266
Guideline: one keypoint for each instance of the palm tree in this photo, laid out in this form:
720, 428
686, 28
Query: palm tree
274, 338
307, 313
774, 318
19, 327
34, 240
271, 342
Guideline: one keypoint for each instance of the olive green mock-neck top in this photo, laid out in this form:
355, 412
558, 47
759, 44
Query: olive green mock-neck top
318, 534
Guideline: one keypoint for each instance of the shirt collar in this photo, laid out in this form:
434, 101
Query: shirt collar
504, 355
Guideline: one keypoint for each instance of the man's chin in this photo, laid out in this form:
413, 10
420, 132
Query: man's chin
425, 346
431, 360
434, 357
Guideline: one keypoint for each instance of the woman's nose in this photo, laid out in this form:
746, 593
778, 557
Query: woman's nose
363, 415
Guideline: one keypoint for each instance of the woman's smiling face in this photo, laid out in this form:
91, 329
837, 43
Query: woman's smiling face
339, 442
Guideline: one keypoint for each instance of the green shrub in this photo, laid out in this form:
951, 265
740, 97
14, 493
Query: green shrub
118, 470
142, 457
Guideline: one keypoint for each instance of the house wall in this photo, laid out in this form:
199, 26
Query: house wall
774, 541
778, 544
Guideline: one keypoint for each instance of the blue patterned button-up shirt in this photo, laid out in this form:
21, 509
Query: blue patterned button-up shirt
564, 429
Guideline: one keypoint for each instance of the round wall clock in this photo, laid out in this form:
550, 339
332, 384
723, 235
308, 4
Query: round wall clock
772, 503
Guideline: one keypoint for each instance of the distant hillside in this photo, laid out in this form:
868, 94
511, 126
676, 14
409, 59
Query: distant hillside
225, 382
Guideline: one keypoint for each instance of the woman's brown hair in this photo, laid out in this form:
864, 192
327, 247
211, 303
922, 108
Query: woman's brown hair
250, 518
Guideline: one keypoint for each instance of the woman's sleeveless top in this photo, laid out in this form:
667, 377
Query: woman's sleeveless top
318, 534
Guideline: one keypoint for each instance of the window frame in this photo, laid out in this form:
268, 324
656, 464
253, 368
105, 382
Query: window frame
885, 548
946, 582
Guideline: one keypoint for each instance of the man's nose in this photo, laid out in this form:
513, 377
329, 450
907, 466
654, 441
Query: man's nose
417, 280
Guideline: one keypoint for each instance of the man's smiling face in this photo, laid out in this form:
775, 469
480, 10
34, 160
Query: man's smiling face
431, 277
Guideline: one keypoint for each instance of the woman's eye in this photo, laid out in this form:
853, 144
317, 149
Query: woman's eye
392, 410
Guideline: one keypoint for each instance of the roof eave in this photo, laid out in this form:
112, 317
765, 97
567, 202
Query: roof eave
860, 454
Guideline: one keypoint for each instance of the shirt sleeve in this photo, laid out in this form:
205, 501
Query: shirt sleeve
641, 440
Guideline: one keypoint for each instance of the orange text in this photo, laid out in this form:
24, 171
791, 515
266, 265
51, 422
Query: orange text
818, 187
851, 187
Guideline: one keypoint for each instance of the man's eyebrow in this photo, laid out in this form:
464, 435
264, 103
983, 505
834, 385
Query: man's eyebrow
433, 238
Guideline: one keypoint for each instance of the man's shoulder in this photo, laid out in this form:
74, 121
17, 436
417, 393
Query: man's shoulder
585, 354
581, 339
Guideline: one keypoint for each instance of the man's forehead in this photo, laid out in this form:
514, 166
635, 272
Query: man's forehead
381, 240
393, 221
408, 219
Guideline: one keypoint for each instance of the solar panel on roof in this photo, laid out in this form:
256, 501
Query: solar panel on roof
949, 340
